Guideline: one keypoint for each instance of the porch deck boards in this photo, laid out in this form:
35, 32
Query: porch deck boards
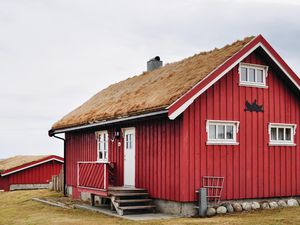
125, 188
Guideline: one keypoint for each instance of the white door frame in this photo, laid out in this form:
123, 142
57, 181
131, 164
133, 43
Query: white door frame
129, 166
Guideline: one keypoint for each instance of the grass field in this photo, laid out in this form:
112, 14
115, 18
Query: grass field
17, 208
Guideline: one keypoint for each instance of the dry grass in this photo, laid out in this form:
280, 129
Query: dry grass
17, 208
149, 91
19, 160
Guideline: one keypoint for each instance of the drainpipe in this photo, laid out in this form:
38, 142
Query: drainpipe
53, 135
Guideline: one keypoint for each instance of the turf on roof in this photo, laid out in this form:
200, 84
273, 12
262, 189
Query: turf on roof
150, 91
19, 160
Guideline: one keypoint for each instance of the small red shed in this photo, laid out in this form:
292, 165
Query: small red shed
29, 172
230, 114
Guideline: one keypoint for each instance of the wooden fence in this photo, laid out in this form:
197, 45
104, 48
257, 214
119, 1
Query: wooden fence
57, 182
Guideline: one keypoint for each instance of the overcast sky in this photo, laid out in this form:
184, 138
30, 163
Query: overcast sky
56, 54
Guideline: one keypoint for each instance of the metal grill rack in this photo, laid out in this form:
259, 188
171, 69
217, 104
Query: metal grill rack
214, 186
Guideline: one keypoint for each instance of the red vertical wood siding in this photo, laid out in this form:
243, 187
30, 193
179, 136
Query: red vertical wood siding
4, 184
158, 144
40, 174
252, 169
80, 147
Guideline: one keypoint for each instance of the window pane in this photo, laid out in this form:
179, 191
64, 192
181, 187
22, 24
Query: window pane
259, 76
221, 131
251, 75
280, 133
100, 155
243, 74
229, 132
288, 134
273, 134
212, 132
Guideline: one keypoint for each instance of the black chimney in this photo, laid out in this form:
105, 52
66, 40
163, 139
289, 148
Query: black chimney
154, 63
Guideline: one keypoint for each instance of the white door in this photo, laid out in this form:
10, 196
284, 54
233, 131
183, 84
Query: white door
129, 156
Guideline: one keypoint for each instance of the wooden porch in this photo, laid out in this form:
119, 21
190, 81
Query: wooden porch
96, 178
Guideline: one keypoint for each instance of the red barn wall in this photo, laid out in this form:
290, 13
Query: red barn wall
40, 174
158, 151
158, 145
251, 169
79, 147
4, 185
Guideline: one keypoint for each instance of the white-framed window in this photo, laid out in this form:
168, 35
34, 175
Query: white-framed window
282, 134
129, 141
222, 132
102, 146
253, 75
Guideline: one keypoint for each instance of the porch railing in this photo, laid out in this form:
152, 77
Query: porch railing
93, 175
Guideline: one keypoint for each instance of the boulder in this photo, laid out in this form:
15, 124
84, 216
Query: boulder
211, 212
273, 205
221, 210
292, 202
282, 203
246, 206
265, 205
255, 205
229, 208
237, 207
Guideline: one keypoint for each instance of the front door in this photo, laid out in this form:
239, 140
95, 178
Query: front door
129, 156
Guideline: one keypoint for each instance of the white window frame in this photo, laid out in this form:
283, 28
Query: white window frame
224, 141
255, 67
105, 145
282, 142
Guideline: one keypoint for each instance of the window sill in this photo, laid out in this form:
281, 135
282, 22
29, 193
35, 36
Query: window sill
283, 144
221, 143
253, 85
102, 161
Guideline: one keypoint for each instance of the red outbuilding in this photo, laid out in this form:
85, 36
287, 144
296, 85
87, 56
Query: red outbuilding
226, 119
29, 172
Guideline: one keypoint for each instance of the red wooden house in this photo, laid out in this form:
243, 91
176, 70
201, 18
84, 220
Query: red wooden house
29, 172
230, 114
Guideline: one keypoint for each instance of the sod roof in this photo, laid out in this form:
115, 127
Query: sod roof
150, 91
19, 160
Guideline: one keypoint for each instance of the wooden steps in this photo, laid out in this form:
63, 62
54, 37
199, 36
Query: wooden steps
133, 200
130, 200
124, 194
137, 207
